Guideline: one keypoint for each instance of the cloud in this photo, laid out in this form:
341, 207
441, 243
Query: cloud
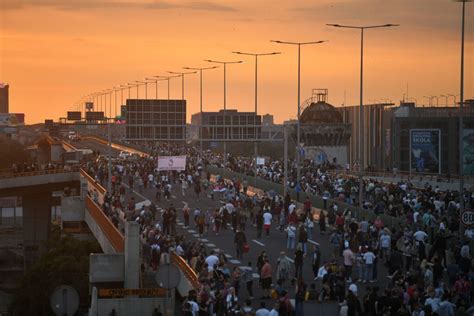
113, 4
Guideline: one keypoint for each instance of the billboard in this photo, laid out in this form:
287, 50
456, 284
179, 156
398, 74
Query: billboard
468, 148
8, 119
74, 115
95, 116
425, 150
167, 163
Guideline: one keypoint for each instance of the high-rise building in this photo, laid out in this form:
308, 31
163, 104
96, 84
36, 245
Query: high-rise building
155, 120
4, 97
238, 125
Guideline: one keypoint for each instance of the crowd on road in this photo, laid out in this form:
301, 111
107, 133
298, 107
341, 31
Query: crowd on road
422, 268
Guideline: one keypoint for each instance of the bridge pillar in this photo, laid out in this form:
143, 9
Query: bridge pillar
36, 224
132, 255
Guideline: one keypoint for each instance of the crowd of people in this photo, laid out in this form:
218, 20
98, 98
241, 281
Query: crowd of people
421, 268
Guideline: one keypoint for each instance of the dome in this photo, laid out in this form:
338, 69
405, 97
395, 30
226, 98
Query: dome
320, 112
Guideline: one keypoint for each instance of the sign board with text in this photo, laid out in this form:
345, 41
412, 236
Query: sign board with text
158, 292
169, 163
425, 150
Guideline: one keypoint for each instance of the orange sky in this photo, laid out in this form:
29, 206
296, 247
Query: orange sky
53, 51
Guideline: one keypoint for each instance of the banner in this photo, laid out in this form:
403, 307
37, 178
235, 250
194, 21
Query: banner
468, 147
167, 163
260, 161
425, 151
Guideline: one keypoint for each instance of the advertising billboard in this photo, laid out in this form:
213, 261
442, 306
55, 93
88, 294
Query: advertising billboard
95, 116
74, 116
168, 163
468, 148
425, 150
8, 119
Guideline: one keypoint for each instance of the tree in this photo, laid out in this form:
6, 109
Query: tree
66, 261
11, 152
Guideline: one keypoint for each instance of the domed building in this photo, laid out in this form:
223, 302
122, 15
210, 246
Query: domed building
324, 135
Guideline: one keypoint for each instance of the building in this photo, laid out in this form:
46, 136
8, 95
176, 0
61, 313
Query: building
376, 133
427, 139
155, 120
4, 106
323, 133
238, 126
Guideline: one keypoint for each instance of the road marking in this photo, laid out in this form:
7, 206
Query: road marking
174, 197
180, 224
191, 231
234, 261
256, 275
204, 240
228, 256
196, 235
217, 250
289, 259
258, 243
313, 242
140, 195
210, 245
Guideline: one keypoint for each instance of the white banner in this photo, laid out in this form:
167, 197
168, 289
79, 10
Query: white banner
260, 161
166, 163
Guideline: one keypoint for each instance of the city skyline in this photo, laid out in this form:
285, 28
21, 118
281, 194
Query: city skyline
53, 52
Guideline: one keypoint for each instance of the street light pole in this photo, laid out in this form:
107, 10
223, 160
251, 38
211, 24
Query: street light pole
361, 108
298, 130
461, 116
182, 74
256, 55
225, 94
200, 99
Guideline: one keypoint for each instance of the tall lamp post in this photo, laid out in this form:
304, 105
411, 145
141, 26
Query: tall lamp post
256, 55
200, 98
461, 114
167, 78
225, 63
182, 74
361, 108
298, 130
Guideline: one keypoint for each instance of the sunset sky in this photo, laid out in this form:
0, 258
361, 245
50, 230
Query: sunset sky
52, 52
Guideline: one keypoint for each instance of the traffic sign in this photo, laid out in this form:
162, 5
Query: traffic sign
155, 292
467, 217
64, 301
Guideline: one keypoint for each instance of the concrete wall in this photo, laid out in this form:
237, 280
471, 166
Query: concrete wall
134, 306
73, 209
99, 235
338, 152
106, 268
21, 182
56, 152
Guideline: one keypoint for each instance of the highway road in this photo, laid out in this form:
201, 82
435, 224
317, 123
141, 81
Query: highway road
273, 244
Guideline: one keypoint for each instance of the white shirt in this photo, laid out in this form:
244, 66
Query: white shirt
291, 208
385, 241
322, 272
369, 257
194, 308
420, 235
211, 261
267, 218
262, 312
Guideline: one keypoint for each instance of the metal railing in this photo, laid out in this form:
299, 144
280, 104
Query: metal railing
188, 272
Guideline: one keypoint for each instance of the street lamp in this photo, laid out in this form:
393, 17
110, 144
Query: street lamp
155, 80
167, 78
298, 131
225, 63
182, 74
461, 114
361, 109
256, 55
200, 98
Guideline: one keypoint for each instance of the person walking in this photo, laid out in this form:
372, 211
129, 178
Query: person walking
239, 240
266, 278
349, 259
299, 259
368, 261
290, 236
283, 268
315, 260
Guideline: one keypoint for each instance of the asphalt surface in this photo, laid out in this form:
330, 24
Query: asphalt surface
273, 244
